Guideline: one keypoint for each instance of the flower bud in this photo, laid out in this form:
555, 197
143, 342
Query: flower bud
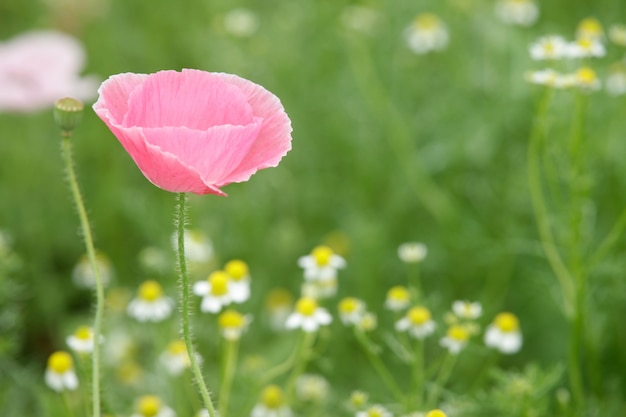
68, 113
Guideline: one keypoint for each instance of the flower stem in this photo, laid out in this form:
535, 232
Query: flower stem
442, 378
181, 214
230, 363
301, 360
418, 372
91, 254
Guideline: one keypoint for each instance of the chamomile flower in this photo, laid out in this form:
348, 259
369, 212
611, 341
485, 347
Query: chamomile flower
546, 77
427, 33
150, 304
351, 310
587, 79
175, 358
320, 289
589, 28
436, 413
375, 411
272, 404
398, 298
367, 322
241, 22
548, 47
198, 246
456, 339
585, 48
152, 406
358, 399
617, 34
239, 280
417, 322
361, 19
412, 252
232, 324
82, 274
60, 374
467, 310
81, 341
278, 303
312, 388
517, 12
308, 316
616, 80
321, 264
215, 292
504, 334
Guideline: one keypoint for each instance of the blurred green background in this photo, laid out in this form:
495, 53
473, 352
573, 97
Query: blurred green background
388, 147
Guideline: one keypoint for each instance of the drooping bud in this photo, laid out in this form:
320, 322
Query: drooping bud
68, 113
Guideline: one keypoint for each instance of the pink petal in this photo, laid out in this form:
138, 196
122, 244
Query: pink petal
274, 139
114, 93
194, 99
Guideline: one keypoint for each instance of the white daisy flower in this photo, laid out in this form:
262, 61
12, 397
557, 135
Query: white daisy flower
587, 79
467, 310
198, 246
427, 33
152, 406
412, 252
240, 280
398, 298
374, 411
241, 22
232, 324
616, 80
550, 78
175, 358
150, 304
82, 274
308, 316
590, 28
81, 341
456, 339
548, 47
215, 292
617, 34
322, 264
504, 334
418, 322
320, 289
517, 12
367, 322
351, 310
271, 404
585, 48
60, 374
312, 388
279, 304
358, 399
436, 413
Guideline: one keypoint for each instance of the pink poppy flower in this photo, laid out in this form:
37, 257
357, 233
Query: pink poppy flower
195, 131
37, 68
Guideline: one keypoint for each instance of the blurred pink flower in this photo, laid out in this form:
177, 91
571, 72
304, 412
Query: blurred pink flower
195, 131
39, 67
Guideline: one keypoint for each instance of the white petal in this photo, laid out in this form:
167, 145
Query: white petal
54, 380
293, 321
309, 324
211, 304
403, 324
70, 380
322, 316
201, 287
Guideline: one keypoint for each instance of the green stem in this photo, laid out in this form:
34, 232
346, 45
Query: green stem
185, 298
68, 404
609, 241
540, 209
91, 254
413, 278
418, 372
230, 363
379, 366
301, 359
442, 378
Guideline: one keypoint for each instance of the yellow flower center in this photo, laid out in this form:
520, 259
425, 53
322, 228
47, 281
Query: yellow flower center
322, 255
589, 28
418, 315
177, 347
236, 269
549, 47
196, 236
426, 21
585, 43
150, 291
83, 333
231, 319
306, 306
586, 75
219, 283
436, 413
349, 305
149, 405
358, 399
374, 412
398, 293
278, 298
60, 362
506, 322
272, 397
368, 322
458, 333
